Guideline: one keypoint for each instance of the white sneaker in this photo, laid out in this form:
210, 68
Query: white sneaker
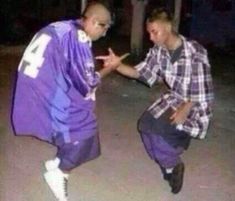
52, 164
57, 181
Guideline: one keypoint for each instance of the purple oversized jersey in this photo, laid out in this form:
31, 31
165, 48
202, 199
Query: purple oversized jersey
55, 89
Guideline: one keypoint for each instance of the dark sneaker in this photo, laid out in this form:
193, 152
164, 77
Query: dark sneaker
167, 177
176, 180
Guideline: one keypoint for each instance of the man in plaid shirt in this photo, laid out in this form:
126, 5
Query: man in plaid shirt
184, 110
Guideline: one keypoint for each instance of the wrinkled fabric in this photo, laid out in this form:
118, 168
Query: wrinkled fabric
162, 126
55, 87
74, 154
187, 79
159, 150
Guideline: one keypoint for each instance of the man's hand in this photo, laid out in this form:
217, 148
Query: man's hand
180, 115
112, 61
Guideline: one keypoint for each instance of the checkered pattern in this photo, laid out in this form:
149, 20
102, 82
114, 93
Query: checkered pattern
188, 79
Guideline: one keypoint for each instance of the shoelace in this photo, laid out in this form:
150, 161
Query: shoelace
65, 185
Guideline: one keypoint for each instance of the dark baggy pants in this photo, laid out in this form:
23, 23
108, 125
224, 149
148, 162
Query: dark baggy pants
159, 150
75, 153
162, 141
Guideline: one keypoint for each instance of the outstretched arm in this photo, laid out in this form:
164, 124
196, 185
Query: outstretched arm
128, 71
114, 62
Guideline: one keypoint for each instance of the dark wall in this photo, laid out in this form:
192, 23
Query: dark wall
19, 20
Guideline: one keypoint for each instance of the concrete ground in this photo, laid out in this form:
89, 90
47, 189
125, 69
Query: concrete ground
123, 172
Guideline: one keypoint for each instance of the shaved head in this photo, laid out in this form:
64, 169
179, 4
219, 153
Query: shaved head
96, 20
98, 11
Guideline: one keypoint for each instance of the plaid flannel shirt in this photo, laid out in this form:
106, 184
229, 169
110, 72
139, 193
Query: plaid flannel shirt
188, 79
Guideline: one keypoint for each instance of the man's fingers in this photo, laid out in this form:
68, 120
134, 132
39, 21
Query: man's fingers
102, 57
124, 56
172, 117
111, 51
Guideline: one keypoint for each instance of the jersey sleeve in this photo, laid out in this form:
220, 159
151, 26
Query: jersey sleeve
80, 65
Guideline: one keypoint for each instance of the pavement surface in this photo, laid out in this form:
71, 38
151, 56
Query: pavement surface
124, 171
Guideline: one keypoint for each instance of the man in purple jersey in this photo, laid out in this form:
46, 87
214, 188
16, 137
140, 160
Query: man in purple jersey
55, 93
184, 110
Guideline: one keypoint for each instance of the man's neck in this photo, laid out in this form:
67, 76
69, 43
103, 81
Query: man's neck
174, 41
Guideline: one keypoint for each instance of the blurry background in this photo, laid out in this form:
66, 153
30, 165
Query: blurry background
209, 21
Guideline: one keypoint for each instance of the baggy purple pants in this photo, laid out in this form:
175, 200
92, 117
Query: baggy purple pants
159, 150
78, 152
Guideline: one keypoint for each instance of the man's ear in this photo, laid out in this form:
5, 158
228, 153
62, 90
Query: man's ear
94, 22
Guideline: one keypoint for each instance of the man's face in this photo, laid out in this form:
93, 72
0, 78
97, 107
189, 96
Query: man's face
99, 27
158, 32
102, 27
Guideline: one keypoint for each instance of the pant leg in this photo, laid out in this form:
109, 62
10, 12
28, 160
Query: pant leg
147, 141
74, 154
159, 150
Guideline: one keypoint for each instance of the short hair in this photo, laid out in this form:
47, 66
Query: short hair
161, 14
92, 5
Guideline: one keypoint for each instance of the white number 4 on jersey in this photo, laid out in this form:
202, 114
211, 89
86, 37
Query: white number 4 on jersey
33, 56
